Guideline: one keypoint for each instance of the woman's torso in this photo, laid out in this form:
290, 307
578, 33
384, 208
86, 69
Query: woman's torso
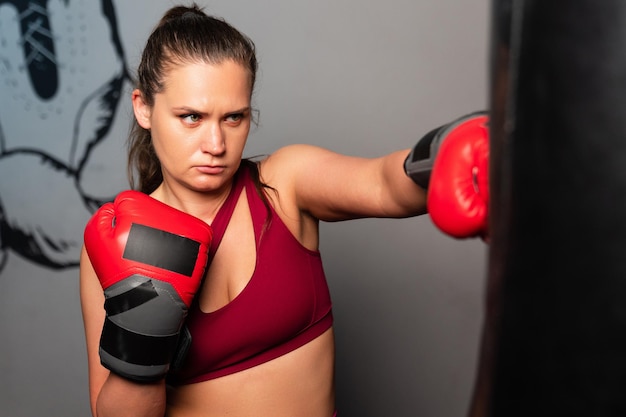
298, 382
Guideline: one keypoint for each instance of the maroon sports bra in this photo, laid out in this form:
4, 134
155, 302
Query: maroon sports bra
285, 305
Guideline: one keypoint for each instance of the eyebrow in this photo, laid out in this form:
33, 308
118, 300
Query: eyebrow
193, 110
242, 110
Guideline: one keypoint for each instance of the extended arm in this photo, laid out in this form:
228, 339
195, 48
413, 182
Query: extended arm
445, 174
333, 187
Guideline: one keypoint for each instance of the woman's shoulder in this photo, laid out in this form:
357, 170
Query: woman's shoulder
288, 168
283, 172
289, 160
294, 153
289, 165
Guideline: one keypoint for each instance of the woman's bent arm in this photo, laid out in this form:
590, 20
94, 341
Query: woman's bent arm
111, 395
120, 397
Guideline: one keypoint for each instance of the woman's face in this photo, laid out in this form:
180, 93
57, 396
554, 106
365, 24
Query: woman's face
199, 123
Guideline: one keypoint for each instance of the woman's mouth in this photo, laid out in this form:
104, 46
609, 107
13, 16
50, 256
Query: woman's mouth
211, 169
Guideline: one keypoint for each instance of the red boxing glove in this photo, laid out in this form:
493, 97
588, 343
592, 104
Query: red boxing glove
458, 192
150, 259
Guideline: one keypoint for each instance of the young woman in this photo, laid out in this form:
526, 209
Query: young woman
261, 320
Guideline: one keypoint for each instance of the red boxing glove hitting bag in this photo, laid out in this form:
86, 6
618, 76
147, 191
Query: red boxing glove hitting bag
150, 259
452, 163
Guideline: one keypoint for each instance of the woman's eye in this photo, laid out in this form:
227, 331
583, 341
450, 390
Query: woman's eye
190, 118
234, 118
238, 117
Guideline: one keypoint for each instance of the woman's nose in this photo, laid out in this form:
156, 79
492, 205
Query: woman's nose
214, 143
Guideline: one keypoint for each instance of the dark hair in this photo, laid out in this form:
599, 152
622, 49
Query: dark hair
183, 35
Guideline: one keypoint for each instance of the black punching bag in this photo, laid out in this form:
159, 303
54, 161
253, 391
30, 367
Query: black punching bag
554, 337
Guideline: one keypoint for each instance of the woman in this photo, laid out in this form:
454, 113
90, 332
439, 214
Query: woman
261, 323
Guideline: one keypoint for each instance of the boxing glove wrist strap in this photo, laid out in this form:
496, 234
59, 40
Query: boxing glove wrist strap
419, 162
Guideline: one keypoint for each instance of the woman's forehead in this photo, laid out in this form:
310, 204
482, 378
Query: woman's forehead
201, 85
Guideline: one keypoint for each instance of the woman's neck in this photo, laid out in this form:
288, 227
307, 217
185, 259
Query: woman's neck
203, 205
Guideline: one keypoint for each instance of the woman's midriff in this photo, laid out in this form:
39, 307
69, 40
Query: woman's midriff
299, 383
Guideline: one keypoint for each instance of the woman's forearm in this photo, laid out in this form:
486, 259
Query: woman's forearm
409, 198
121, 397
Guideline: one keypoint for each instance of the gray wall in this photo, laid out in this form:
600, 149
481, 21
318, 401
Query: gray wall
358, 77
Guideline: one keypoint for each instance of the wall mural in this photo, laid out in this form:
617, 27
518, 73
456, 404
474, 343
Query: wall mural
62, 72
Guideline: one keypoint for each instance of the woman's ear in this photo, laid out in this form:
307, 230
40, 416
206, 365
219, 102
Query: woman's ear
141, 109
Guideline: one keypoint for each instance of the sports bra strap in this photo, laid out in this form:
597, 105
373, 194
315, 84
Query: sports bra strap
258, 210
222, 218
